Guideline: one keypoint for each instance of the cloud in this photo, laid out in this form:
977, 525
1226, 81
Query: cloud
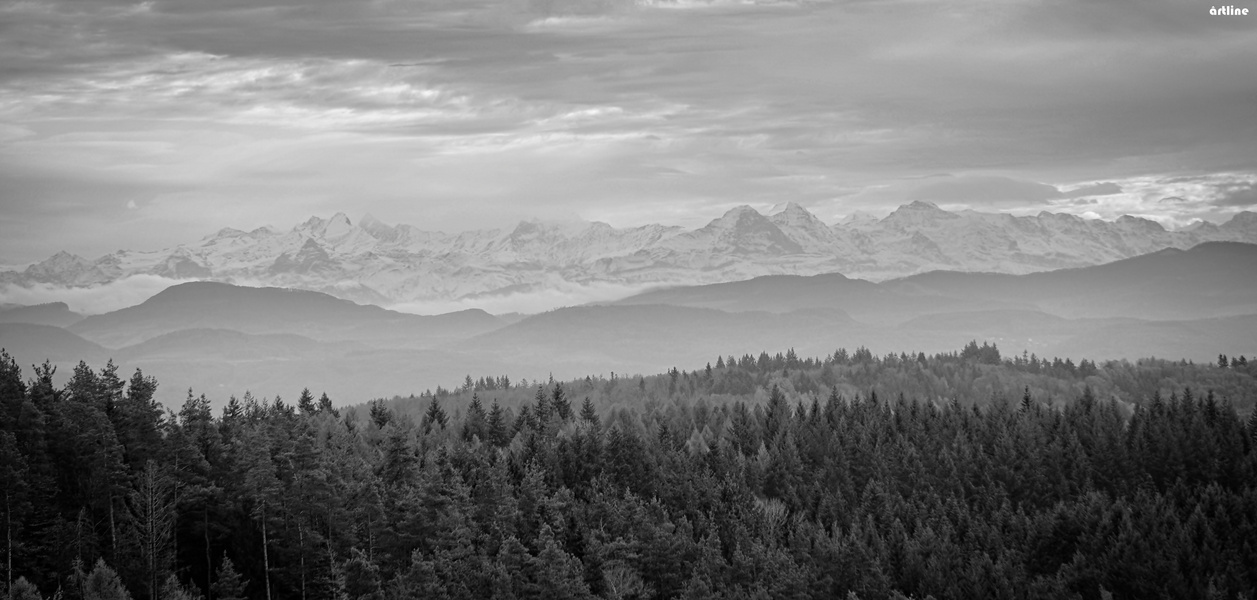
112, 296
996, 191
438, 112
1106, 188
1236, 195
986, 191
556, 293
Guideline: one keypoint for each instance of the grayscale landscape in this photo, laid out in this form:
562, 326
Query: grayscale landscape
652, 299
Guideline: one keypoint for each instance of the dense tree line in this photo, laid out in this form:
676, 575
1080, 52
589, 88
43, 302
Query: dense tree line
773, 477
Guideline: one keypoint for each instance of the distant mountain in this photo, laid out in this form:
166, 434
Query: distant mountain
226, 339
370, 261
31, 344
208, 305
599, 339
1210, 280
1200, 340
223, 363
222, 343
864, 300
54, 313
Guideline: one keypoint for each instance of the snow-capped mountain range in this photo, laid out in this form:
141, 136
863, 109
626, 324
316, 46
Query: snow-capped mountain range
370, 261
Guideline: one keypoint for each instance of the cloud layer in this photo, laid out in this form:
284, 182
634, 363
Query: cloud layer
112, 296
146, 124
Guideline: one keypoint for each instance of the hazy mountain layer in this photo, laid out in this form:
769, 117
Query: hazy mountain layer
53, 313
1210, 280
209, 305
225, 339
370, 261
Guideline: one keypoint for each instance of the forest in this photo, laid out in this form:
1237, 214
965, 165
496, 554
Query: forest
958, 475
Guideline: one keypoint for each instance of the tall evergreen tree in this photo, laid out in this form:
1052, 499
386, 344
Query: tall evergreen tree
435, 417
228, 584
305, 402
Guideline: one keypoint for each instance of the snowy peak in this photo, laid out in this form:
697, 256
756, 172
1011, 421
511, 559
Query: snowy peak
374, 262
181, 264
1243, 223
794, 215
740, 220
377, 228
800, 225
61, 265
526, 232
1133, 222
310, 259
336, 227
224, 233
918, 214
742, 230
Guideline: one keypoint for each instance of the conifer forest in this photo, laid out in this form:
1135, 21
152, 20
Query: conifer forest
968, 474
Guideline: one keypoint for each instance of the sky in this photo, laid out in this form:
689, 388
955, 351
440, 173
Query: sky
144, 125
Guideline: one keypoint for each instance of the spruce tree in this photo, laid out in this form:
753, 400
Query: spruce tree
587, 412
305, 402
325, 405
562, 408
475, 425
497, 425
434, 417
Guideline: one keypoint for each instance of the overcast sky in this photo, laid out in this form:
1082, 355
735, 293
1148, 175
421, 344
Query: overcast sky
143, 125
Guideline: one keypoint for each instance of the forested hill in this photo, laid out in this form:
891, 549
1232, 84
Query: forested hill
852, 476
975, 375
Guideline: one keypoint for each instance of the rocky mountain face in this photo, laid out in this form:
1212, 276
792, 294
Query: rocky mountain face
370, 261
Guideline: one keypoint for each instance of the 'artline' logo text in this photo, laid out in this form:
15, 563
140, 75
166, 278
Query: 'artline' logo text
1228, 11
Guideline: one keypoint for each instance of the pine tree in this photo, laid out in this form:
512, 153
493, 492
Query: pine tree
263, 488
23, 590
152, 506
15, 496
228, 584
104, 584
171, 589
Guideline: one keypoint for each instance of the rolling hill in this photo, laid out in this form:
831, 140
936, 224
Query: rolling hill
53, 313
209, 305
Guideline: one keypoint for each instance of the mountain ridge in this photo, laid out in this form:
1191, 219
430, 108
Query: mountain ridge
374, 262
